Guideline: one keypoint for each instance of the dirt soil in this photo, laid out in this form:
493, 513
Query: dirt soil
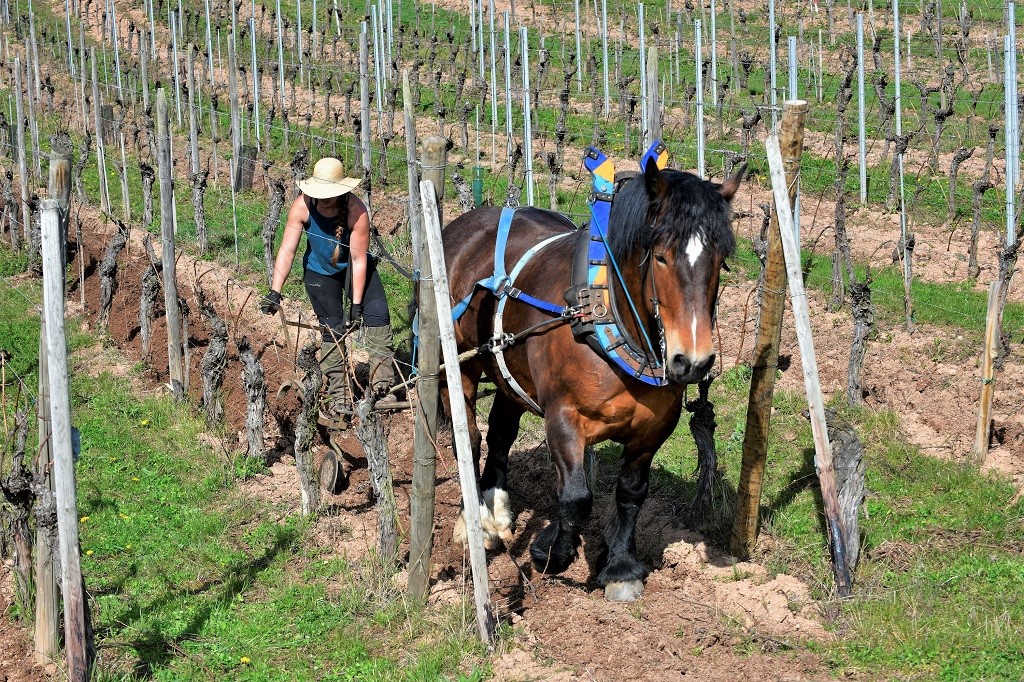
16, 661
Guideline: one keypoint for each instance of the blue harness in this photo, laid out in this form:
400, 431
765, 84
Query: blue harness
500, 283
595, 272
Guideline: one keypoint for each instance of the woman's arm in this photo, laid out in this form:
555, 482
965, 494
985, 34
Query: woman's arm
359, 245
298, 216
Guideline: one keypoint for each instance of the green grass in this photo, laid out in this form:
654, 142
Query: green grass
19, 326
200, 581
939, 591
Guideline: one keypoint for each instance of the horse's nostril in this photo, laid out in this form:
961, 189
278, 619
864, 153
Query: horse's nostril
681, 364
684, 369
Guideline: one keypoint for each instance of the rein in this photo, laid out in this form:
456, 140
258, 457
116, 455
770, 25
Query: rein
656, 308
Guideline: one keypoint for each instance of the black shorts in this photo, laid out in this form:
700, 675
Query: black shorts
330, 297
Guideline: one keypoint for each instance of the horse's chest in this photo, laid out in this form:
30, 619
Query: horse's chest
623, 418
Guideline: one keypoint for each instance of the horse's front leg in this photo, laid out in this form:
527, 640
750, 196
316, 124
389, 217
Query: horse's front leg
623, 574
555, 547
502, 431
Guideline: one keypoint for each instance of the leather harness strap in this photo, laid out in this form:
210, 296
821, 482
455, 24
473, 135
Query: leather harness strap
498, 341
501, 285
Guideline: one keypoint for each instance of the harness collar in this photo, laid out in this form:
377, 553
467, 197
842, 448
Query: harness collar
596, 274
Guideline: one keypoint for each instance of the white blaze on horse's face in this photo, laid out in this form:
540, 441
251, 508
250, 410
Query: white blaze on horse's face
694, 248
689, 343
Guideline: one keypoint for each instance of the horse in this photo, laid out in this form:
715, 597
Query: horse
669, 233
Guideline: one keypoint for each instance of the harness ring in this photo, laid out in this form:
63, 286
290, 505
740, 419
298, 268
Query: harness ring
600, 310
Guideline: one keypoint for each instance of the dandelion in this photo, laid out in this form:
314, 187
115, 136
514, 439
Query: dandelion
144, 422
135, 478
83, 519
244, 659
88, 552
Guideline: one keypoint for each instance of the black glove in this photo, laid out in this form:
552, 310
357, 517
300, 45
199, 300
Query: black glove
270, 303
355, 315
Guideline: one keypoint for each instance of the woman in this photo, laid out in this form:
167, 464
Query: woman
336, 265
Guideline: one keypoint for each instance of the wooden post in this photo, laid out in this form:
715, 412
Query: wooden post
801, 316
460, 426
82, 80
23, 178
144, 69
33, 119
165, 171
255, 94
106, 123
33, 45
60, 184
126, 198
117, 50
766, 349
653, 123
101, 159
988, 387
175, 21
76, 644
47, 607
433, 164
424, 462
245, 167
47, 611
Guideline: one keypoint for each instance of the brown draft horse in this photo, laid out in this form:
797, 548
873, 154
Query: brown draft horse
670, 233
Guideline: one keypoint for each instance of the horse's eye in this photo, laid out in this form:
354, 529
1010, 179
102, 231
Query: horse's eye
660, 257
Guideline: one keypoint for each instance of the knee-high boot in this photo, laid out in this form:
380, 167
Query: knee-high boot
334, 367
380, 344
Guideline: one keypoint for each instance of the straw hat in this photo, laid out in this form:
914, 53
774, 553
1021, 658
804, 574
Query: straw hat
328, 180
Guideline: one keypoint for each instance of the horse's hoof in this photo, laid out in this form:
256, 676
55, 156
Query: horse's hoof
624, 591
554, 549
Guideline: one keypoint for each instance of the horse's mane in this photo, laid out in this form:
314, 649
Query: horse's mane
694, 207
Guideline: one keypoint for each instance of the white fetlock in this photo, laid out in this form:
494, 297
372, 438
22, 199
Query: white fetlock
497, 501
487, 525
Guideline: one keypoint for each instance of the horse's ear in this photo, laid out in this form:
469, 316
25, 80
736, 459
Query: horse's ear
729, 187
651, 172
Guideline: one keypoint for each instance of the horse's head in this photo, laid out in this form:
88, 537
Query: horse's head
680, 227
